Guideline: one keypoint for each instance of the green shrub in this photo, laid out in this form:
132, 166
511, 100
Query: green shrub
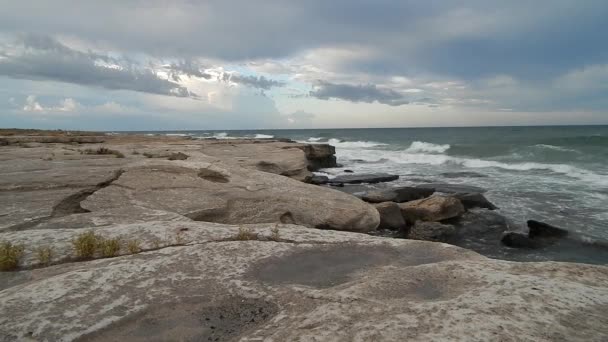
85, 245
44, 255
10, 255
103, 150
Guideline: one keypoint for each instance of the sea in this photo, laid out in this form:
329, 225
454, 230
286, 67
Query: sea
554, 174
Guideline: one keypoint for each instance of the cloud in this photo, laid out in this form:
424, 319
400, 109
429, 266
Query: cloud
68, 105
358, 93
36, 57
257, 82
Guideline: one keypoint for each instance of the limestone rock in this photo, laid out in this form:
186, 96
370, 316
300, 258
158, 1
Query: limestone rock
390, 216
234, 195
434, 208
399, 195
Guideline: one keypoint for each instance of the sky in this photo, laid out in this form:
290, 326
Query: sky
242, 64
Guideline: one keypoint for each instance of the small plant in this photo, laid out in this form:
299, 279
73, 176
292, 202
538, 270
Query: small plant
274, 233
156, 243
133, 246
44, 255
103, 150
245, 234
135, 153
149, 155
85, 245
179, 238
109, 247
10, 255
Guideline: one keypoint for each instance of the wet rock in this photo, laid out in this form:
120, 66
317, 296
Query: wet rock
474, 200
430, 231
390, 216
364, 178
349, 171
463, 174
178, 156
541, 230
452, 188
317, 179
399, 195
434, 208
519, 240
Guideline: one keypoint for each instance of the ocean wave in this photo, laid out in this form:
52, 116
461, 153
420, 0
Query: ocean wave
354, 144
555, 148
263, 136
220, 135
404, 157
177, 135
422, 147
314, 139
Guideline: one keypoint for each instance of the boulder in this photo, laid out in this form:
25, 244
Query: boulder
363, 178
399, 195
319, 156
430, 231
474, 200
390, 216
230, 194
463, 174
516, 239
541, 230
434, 208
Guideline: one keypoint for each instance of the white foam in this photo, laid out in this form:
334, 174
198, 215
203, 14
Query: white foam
220, 135
263, 136
555, 148
354, 144
314, 139
422, 147
404, 157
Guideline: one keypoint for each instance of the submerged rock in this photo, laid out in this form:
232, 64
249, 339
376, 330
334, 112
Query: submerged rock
540, 230
363, 178
390, 216
452, 188
434, 208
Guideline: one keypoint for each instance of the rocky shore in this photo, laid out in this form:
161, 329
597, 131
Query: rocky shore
137, 238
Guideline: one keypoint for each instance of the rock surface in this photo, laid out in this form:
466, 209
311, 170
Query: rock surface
309, 286
434, 208
179, 279
390, 216
399, 195
452, 188
430, 231
474, 200
370, 178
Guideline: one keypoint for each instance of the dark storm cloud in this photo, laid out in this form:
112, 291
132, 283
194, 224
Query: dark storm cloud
528, 39
358, 93
257, 82
37, 57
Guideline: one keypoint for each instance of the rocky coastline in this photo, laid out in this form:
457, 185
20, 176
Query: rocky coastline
156, 238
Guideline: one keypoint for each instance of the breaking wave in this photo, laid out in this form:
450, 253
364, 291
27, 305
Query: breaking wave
263, 136
354, 144
421, 146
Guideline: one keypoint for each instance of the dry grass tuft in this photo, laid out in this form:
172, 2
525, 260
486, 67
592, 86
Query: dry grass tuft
109, 247
274, 233
85, 245
44, 255
10, 255
133, 246
245, 234
103, 150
